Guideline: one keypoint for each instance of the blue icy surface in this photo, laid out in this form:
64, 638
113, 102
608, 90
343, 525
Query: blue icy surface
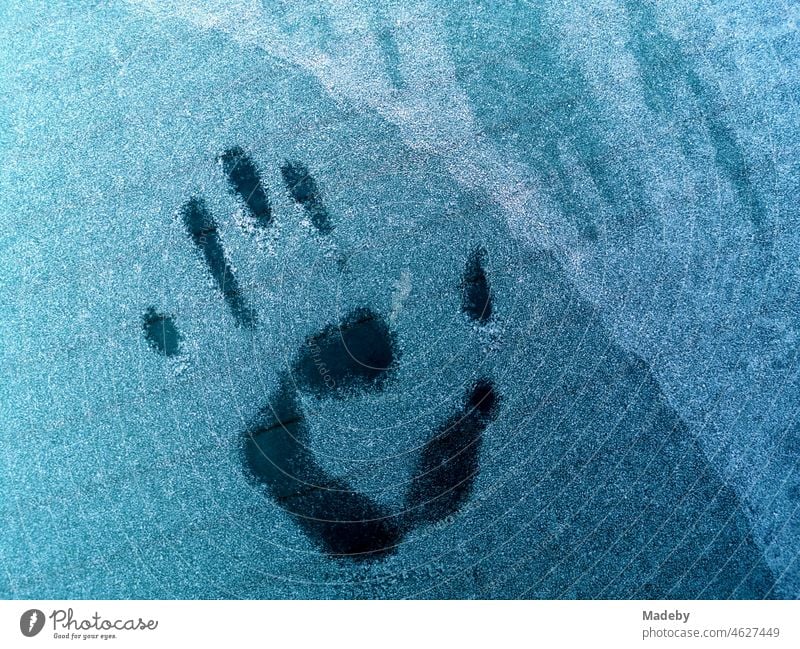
630, 169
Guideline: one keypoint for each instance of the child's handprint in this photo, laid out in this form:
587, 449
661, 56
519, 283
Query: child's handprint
355, 356
614, 472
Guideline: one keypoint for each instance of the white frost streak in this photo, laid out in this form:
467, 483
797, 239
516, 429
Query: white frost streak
432, 113
402, 290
